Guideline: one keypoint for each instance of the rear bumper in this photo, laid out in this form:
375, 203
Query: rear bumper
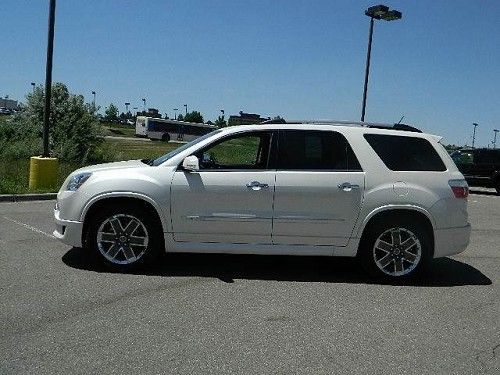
451, 241
67, 231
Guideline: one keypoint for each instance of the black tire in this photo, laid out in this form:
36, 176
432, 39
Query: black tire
165, 138
132, 254
399, 265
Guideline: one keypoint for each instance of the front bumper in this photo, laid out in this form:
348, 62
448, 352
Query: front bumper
68, 231
451, 241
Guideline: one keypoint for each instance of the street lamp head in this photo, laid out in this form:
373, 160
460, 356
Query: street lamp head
392, 15
382, 12
475, 124
93, 92
377, 11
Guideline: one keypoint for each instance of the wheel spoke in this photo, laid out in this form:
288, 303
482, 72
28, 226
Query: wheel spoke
113, 251
137, 241
131, 227
106, 237
396, 237
398, 265
384, 246
127, 251
385, 261
408, 243
409, 256
117, 226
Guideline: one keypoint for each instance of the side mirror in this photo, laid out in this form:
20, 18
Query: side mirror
191, 163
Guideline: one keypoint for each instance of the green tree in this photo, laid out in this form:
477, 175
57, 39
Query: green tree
74, 129
194, 116
220, 122
111, 113
180, 117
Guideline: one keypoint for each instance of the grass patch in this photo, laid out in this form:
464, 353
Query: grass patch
14, 174
117, 130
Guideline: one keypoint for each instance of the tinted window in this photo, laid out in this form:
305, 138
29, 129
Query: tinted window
315, 150
247, 151
405, 153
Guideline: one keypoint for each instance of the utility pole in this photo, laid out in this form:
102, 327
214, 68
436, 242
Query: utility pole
495, 138
34, 85
144, 104
175, 113
186, 106
474, 134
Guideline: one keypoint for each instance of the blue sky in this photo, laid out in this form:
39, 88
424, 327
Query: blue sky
439, 66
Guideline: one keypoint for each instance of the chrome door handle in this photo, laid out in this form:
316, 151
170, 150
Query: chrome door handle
256, 185
347, 186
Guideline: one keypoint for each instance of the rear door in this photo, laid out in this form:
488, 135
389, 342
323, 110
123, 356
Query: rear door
319, 189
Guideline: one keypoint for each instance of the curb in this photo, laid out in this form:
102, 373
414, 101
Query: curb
27, 197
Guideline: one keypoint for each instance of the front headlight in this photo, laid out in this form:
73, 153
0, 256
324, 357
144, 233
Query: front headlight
77, 180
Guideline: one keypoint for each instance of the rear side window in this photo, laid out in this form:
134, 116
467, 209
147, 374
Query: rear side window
315, 150
406, 153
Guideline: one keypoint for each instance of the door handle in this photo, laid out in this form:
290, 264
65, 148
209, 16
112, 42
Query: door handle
256, 185
347, 186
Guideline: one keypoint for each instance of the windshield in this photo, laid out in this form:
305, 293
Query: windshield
171, 154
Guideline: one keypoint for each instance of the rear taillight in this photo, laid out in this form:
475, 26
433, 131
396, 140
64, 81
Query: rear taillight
459, 188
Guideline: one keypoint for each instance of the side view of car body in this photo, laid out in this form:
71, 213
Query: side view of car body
480, 166
393, 198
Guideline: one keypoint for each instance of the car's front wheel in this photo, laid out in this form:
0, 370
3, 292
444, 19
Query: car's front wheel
124, 238
396, 248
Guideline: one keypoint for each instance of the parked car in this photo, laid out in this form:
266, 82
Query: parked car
393, 198
480, 166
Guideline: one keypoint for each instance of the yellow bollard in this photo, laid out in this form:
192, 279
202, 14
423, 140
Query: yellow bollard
44, 173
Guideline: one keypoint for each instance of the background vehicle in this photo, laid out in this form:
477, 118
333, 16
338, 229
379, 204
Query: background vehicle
393, 198
166, 129
480, 166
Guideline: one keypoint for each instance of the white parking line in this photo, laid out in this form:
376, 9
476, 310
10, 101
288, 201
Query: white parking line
28, 227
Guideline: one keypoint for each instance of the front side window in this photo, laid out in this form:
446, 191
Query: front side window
243, 151
400, 153
315, 150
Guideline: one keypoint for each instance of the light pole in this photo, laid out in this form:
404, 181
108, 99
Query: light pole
33, 85
186, 106
93, 101
48, 78
495, 138
144, 104
377, 12
126, 107
175, 113
474, 134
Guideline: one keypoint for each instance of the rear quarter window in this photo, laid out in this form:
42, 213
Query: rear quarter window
401, 153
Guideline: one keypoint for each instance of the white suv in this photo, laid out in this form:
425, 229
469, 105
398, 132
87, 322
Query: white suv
394, 198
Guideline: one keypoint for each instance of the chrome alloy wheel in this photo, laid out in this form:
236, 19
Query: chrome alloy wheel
397, 251
122, 239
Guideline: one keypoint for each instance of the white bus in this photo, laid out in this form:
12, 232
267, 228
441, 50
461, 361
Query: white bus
166, 130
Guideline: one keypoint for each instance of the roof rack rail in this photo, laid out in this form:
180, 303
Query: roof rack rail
402, 127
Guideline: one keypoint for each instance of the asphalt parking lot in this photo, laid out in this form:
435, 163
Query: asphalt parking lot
62, 313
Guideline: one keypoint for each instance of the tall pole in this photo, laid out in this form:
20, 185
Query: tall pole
367, 70
144, 104
175, 113
93, 102
474, 134
48, 78
186, 106
34, 85
495, 138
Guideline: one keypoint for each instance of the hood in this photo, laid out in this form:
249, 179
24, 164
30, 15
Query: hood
115, 165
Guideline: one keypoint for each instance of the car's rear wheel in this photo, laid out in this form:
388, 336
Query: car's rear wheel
124, 238
165, 137
396, 248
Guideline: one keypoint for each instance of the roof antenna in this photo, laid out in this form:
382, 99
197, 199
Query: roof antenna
401, 119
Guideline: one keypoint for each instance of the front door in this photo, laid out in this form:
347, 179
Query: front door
319, 189
230, 198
